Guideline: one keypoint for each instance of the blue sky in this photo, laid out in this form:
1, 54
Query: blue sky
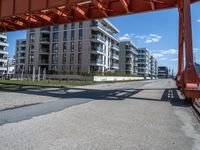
157, 31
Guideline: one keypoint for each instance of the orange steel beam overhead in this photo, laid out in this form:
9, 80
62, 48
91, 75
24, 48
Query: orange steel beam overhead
23, 14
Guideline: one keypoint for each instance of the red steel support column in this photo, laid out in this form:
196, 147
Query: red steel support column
180, 44
189, 79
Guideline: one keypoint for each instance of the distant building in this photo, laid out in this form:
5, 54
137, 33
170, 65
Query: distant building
76, 47
3, 53
163, 72
128, 58
153, 67
143, 62
20, 55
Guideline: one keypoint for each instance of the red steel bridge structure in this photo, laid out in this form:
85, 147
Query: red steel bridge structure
25, 14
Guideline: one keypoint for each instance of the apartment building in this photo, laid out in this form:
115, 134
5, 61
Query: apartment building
163, 72
3, 53
153, 67
76, 47
128, 57
144, 66
20, 53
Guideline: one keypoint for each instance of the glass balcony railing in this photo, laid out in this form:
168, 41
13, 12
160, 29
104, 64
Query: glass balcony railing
115, 46
115, 65
98, 61
98, 37
114, 55
44, 40
103, 27
98, 49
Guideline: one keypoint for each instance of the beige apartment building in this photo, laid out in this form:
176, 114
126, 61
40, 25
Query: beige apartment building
128, 58
74, 48
20, 56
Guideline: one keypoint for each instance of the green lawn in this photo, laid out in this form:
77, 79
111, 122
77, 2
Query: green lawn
4, 83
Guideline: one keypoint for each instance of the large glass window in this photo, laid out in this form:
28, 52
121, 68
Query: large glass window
55, 58
80, 24
55, 37
71, 58
56, 28
72, 25
80, 34
72, 46
64, 58
72, 35
64, 47
80, 46
65, 36
65, 26
55, 47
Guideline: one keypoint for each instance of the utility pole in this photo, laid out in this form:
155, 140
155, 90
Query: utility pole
33, 77
22, 75
39, 74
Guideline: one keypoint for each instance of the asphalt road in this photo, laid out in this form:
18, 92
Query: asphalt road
143, 115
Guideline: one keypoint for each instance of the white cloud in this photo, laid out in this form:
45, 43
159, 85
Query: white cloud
157, 55
198, 20
151, 38
125, 37
169, 51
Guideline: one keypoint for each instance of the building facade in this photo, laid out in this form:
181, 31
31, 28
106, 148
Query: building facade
128, 57
144, 66
20, 54
162, 72
3, 53
153, 67
75, 48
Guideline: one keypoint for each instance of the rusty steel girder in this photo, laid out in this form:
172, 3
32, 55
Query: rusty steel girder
24, 14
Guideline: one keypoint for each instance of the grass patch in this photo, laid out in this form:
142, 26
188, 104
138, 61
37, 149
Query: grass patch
4, 83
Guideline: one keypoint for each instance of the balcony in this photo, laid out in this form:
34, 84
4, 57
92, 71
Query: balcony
98, 37
3, 43
44, 50
3, 60
97, 62
3, 52
45, 29
3, 36
115, 66
3, 68
101, 26
97, 49
43, 61
45, 40
114, 56
115, 46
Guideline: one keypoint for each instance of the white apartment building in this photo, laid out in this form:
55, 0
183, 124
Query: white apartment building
20, 55
128, 58
153, 67
3, 53
75, 48
144, 63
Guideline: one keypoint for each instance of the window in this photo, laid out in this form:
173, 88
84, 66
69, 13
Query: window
30, 58
65, 35
79, 58
55, 58
32, 37
80, 34
78, 69
64, 58
54, 67
65, 26
31, 47
72, 25
56, 28
55, 37
72, 35
80, 46
71, 58
80, 24
71, 69
64, 47
72, 46
55, 48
